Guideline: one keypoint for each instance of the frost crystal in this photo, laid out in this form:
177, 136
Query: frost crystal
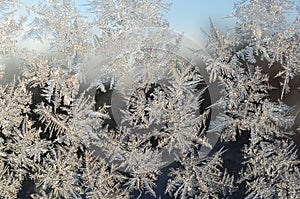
151, 114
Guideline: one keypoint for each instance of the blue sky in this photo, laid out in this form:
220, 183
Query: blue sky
190, 15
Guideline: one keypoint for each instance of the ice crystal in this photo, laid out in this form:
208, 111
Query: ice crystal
56, 137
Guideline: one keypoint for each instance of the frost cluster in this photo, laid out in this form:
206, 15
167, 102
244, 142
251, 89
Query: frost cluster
58, 141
